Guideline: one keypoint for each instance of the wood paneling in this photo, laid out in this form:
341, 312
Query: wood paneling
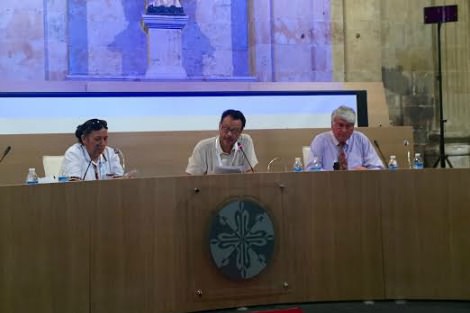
167, 153
141, 245
425, 218
44, 248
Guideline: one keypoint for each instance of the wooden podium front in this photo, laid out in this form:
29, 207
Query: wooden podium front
142, 245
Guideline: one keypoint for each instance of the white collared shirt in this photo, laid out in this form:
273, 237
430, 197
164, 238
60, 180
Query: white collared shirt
77, 164
208, 154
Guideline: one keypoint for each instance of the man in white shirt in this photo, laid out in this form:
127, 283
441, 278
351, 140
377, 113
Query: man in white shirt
229, 150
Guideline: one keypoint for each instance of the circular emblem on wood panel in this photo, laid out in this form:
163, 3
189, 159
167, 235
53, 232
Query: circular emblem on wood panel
242, 239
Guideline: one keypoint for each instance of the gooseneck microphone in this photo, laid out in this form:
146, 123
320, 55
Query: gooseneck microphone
89, 163
121, 158
380, 152
244, 155
268, 168
87, 168
7, 150
406, 143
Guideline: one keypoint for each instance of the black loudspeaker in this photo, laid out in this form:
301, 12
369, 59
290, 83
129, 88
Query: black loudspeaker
440, 14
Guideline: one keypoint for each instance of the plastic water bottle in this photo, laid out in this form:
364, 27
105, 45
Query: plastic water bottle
392, 163
316, 164
32, 177
297, 167
418, 162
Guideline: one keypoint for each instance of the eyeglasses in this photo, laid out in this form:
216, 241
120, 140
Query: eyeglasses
342, 125
233, 130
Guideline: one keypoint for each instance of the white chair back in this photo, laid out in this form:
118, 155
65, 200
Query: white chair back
52, 165
307, 154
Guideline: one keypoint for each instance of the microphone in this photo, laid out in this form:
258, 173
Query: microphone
7, 150
121, 157
380, 152
244, 155
336, 166
86, 171
268, 168
89, 163
406, 143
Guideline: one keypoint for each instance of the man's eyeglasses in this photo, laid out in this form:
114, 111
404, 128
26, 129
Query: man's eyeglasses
342, 125
234, 130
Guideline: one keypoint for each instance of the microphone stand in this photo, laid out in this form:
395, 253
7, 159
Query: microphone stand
268, 168
7, 150
442, 154
121, 158
406, 143
89, 163
380, 152
440, 15
86, 171
244, 155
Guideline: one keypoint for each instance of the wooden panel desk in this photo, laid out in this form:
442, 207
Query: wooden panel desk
141, 245
426, 234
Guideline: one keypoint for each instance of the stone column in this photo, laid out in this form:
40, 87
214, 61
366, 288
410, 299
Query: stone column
164, 45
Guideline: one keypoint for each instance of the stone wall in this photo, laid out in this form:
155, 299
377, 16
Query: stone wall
409, 73
22, 52
263, 40
294, 41
215, 41
407, 67
101, 39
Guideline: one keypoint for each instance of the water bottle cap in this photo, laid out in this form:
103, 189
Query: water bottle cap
393, 156
297, 159
417, 154
32, 169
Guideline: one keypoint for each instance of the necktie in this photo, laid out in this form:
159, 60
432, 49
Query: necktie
343, 161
